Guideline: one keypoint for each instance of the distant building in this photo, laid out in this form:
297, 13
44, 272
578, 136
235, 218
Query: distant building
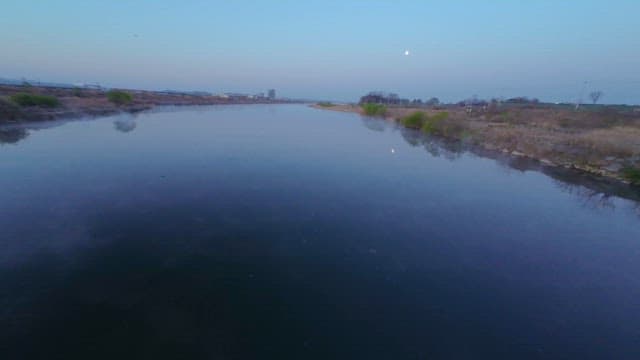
271, 94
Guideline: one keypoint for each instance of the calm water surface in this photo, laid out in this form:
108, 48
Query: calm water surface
284, 232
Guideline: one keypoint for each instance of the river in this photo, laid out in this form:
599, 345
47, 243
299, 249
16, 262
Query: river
281, 231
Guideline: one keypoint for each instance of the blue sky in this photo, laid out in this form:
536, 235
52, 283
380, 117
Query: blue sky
331, 49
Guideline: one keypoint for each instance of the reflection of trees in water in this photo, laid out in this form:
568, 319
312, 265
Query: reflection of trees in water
412, 137
435, 146
125, 125
594, 192
447, 150
12, 135
591, 198
520, 163
591, 191
374, 124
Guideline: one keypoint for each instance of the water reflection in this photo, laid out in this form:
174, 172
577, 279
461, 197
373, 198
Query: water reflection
412, 137
435, 146
588, 197
375, 124
205, 286
12, 135
121, 300
247, 249
591, 191
125, 125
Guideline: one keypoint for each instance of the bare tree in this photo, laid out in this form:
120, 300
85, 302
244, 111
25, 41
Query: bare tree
595, 96
433, 101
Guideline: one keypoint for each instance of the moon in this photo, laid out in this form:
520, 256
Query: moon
406, 53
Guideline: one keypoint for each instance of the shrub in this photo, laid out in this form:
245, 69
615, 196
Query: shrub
373, 109
420, 120
326, 104
436, 124
632, 174
455, 129
430, 127
9, 110
440, 116
415, 120
24, 99
119, 97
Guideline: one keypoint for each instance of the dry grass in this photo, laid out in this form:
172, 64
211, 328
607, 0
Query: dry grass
621, 138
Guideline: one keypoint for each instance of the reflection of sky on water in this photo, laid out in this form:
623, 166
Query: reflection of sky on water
12, 135
272, 232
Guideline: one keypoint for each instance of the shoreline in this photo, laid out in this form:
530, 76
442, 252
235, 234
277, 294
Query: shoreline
486, 137
83, 102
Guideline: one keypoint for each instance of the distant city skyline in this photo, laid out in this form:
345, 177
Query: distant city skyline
335, 50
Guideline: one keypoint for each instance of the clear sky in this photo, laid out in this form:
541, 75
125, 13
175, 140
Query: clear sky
331, 49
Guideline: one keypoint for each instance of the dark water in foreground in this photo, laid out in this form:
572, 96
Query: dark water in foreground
283, 232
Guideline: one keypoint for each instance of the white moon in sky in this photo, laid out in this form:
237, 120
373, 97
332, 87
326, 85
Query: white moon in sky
406, 53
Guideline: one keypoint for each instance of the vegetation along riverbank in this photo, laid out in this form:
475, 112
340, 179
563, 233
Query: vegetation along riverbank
36, 103
598, 139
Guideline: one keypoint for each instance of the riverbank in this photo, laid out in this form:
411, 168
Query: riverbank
603, 141
81, 102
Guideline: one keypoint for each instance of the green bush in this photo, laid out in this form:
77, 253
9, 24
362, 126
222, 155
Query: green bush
373, 109
415, 120
24, 99
429, 125
326, 104
119, 97
632, 174
436, 124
